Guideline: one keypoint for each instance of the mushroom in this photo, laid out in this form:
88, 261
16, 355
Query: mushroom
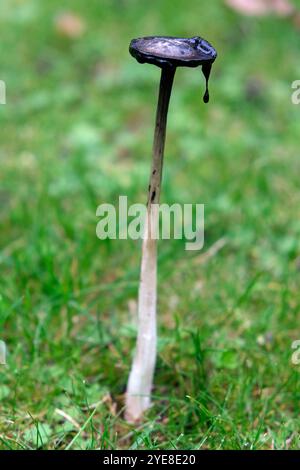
167, 53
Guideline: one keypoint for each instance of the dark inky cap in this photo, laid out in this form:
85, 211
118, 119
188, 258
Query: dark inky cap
171, 51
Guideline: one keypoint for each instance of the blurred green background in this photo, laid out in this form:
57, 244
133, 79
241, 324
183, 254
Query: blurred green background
76, 132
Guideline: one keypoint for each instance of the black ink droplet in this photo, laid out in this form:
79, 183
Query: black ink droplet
206, 72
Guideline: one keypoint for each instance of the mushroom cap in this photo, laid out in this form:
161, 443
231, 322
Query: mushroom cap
171, 51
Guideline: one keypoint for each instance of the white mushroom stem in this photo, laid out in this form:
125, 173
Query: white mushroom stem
138, 395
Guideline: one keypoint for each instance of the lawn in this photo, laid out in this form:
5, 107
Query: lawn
77, 132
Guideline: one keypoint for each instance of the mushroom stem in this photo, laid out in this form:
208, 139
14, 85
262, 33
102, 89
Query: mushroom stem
138, 395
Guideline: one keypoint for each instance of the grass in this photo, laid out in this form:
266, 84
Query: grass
77, 132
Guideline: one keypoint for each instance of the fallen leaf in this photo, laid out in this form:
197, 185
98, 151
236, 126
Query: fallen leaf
69, 25
261, 7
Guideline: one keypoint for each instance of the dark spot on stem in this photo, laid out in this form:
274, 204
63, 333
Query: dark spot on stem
153, 196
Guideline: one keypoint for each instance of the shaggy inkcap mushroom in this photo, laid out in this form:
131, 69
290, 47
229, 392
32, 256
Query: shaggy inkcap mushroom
168, 53
165, 51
